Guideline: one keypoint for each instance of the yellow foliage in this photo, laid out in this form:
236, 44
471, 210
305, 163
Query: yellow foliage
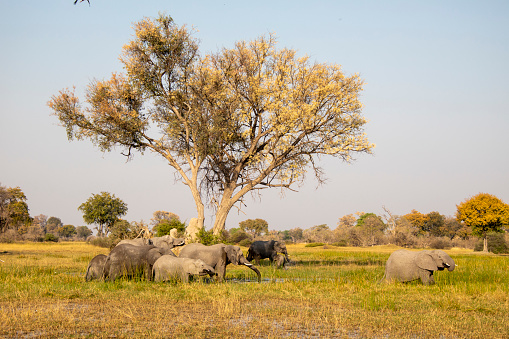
484, 213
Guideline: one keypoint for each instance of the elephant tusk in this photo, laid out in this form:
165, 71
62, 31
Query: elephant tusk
248, 265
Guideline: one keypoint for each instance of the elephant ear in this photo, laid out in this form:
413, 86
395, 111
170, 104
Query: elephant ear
232, 254
424, 260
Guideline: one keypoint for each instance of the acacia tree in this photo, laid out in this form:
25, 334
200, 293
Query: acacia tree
103, 209
484, 213
237, 121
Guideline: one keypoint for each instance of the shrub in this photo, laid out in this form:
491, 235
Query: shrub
245, 242
207, 237
440, 243
237, 235
496, 244
9, 236
164, 227
340, 243
100, 241
315, 244
50, 237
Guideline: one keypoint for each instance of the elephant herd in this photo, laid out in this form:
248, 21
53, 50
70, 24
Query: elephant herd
155, 260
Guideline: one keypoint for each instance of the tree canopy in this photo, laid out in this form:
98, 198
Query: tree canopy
13, 208
255, 227
484, 213
236, 121
103, 209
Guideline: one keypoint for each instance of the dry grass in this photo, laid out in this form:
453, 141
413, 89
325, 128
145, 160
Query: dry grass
330, 292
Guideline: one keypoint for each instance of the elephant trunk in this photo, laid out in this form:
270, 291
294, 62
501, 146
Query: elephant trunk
251, 266
449, 263
450, 266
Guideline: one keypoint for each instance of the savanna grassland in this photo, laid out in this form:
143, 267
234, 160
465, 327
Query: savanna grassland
329, 292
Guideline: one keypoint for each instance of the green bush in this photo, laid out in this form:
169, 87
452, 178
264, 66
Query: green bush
496, 244
101, 242
164, 227
50, 237
341, 243
245, 242
207, 237
315, 244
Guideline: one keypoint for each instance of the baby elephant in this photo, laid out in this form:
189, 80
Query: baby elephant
169, 267
404, 265
95, 267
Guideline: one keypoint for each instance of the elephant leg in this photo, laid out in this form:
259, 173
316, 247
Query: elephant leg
221, 272
427, 277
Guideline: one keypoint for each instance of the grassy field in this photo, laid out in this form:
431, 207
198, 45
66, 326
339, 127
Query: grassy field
329, 293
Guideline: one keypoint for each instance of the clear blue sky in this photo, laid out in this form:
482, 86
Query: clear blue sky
436, 95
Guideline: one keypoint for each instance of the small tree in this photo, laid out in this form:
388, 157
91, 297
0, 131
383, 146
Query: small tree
160, 216
103, 209
434, 224
83, 232
67, 231
418, 221
13, 208
484, 213
254, 227
369, 229
53, 224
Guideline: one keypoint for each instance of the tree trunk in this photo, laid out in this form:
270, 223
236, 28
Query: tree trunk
199, 204
219, 223
485, 244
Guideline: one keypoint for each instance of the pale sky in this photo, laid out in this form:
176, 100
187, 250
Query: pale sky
436, 96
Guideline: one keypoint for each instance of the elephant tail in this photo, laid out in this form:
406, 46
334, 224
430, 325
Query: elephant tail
88, 275
106, 268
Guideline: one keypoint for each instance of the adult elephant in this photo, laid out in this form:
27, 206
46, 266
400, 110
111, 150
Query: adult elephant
169, 267
404, 265
165, 241
218, 256
129, 260
95, 267
266, 249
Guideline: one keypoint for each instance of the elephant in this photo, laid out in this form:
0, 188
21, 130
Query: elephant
129, 260
218, 256
404, 265
166, 241
169, 267
95, 267
266, 249
280, 261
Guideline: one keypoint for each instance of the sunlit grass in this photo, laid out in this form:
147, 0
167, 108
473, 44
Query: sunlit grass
328, 292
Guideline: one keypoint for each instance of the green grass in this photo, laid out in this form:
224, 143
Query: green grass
329, 292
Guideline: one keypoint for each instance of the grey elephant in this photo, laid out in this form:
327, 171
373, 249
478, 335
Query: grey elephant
404, 265
129, 260
218, 256
165, 241
95, 267
169, 267
280, 261
266, 249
